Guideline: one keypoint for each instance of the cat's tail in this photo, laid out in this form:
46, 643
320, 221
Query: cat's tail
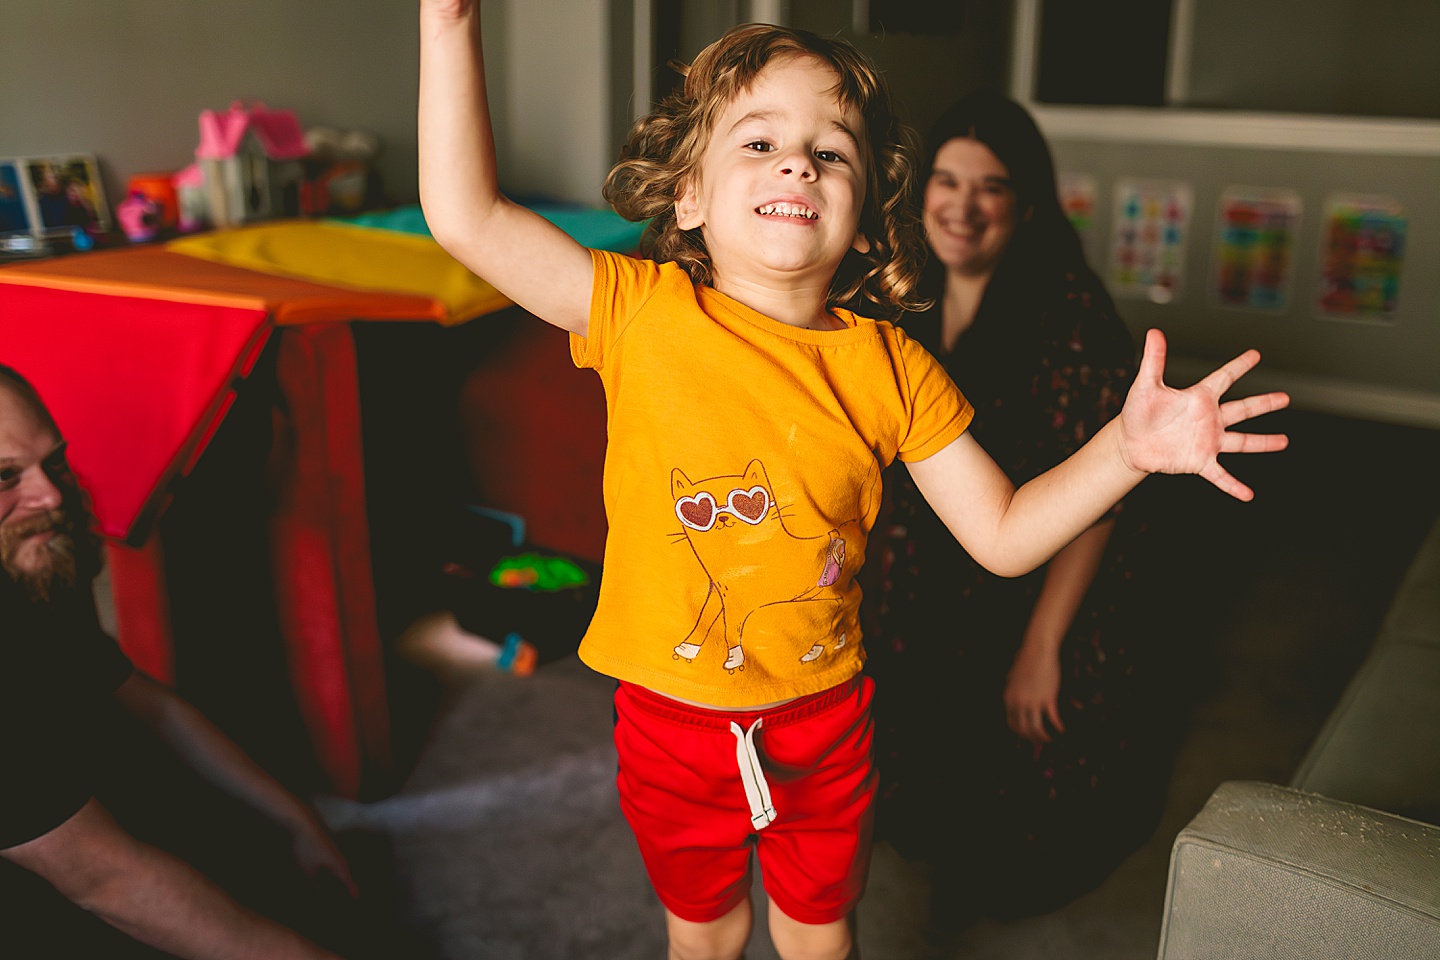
868, 492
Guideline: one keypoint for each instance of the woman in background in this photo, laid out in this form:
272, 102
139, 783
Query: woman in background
1010, 730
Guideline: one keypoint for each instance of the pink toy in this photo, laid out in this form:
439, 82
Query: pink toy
139, 216
193, 212
250, 157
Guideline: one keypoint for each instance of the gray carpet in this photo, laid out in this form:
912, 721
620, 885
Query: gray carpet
507, 838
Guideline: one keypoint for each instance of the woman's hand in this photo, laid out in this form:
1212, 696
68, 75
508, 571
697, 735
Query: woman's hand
1164, 430
1032, 692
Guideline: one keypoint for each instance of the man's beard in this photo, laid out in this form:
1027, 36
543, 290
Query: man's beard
50, 567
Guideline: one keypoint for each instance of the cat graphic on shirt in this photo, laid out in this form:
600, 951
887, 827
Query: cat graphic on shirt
753, 561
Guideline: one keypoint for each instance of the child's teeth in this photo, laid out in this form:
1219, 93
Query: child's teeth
787, 210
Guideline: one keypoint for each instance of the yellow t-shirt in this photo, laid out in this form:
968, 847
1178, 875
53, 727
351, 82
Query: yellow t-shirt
742, 477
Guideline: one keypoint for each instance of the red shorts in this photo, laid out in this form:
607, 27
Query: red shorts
701, 787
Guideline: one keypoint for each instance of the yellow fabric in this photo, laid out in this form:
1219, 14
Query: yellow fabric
772, 436
354, 257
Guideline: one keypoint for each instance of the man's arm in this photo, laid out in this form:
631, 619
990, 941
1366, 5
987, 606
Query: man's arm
151, 895
206, 750
522, 254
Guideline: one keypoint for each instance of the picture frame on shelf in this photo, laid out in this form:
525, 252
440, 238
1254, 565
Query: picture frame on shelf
16, 215
65, 192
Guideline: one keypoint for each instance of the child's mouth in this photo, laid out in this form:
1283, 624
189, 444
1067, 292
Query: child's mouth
792, 211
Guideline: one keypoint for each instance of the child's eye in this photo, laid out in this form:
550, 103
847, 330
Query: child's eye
829, 156
8, 476
760, 146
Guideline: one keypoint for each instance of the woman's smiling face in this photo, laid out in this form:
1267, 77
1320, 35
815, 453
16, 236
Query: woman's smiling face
970, 208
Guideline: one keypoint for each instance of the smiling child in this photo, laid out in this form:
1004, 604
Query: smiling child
751, 407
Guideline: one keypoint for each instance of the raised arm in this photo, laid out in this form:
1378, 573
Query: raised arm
522, 254
151, 895
1160, 430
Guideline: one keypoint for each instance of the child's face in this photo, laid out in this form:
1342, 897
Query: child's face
780, 186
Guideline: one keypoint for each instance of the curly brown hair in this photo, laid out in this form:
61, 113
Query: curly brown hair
665, 148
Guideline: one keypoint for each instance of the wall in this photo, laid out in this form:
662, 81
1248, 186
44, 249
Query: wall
1368, 69
926, 73
1355, 57
1387, 370
559, 127
126, 80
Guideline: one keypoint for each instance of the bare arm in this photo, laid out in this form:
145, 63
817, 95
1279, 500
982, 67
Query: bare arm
207, 751
1032, 688
1011, 532
1160, 430
151, 895
522, 254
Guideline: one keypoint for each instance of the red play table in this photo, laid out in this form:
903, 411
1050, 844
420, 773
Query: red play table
138, 352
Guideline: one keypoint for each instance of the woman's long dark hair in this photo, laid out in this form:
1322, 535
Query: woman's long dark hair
1044, 250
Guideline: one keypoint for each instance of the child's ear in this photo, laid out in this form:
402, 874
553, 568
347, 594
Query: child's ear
861, 243
687, 207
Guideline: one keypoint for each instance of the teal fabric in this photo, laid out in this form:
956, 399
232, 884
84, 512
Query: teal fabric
593, 227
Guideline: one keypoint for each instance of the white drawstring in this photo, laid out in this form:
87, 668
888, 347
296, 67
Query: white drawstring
757, 791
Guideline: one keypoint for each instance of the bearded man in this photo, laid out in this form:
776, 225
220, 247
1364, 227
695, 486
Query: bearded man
59, 674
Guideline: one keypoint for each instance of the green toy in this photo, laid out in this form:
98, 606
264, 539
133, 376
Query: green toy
534, 571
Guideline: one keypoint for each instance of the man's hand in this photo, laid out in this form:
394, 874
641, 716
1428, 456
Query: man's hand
204, 748
1164, 430
1032, 691
315, 852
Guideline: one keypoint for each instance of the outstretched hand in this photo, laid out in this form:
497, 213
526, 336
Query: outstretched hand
1164, 430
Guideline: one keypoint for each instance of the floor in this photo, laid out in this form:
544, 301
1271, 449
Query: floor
504, 839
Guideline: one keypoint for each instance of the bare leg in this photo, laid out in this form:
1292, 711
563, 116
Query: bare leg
722, 939
813, 941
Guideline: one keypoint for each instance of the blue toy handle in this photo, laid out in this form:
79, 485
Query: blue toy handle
514, 521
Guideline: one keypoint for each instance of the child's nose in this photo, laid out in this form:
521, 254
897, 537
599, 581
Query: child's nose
798, 164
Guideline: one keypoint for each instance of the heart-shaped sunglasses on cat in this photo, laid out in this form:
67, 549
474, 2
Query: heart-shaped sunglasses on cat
700, 511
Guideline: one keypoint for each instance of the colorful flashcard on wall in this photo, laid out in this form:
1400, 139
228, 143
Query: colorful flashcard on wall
1078, 198
1362, 254
1147, 250
1254, 247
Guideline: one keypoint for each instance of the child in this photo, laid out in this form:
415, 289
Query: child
749, 417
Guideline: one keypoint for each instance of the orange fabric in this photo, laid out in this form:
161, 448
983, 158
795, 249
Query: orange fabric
159, 274
741, 482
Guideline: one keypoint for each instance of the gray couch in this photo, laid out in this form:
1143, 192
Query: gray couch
1344, 862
